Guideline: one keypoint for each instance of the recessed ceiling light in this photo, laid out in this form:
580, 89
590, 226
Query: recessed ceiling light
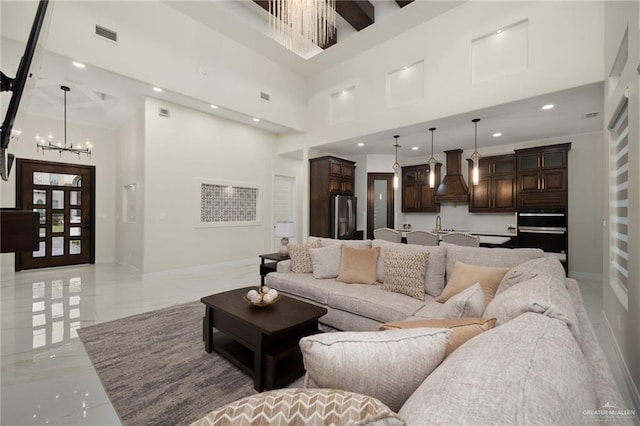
405, 68
414, 148
499, 31
497, 135
360, 143
548, 106
256, 119
157, 89
214, 106
78, 64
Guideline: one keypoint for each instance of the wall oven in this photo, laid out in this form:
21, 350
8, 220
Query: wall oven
545, 229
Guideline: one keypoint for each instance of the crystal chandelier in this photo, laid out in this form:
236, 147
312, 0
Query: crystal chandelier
301, 24
46, 144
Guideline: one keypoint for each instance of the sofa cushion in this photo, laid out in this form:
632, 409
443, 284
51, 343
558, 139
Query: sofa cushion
549, 266
303, 285
373, 302
468, 303
434, 278
529, 371
463, 329
358, 265
326, 261
404, 272
325, 242
465, 275
544, 295
300, 259
302, 406
388, 365
482, 256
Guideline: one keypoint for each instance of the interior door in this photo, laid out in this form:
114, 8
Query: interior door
380, 202
63, 195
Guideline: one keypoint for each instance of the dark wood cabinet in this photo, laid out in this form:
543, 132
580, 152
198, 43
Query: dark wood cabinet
496, 189
328, 176
542, 176
417, 196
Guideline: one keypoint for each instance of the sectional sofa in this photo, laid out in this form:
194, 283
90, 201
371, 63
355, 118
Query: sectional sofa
538, 361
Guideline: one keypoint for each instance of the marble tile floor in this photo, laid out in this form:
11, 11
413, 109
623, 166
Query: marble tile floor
47, 377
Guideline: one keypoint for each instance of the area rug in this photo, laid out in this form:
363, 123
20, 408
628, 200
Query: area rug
155, 370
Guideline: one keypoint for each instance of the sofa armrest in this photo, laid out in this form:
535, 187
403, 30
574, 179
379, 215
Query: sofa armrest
284, 266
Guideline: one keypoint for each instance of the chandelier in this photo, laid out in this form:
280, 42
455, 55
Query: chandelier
301, 24
475, 157
46, 144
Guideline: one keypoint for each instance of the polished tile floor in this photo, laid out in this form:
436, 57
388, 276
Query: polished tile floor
47, 377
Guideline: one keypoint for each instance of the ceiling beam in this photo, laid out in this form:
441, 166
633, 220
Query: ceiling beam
403, 3
334, 37
358, 13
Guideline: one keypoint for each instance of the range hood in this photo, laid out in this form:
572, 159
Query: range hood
453, 188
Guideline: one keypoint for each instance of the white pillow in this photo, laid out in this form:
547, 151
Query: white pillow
326, 261
388, 365
469, 303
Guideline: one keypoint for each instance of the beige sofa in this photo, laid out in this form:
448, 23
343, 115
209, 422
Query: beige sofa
540, 364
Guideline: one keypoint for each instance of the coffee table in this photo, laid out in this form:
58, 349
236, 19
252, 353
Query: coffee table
262, 341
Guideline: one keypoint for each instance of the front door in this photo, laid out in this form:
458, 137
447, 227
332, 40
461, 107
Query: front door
63, 195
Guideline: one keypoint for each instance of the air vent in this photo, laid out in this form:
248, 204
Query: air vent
106, 33
163, 112
591, 115
265, 96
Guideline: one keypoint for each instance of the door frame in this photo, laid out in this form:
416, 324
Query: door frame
391, 202
21, 162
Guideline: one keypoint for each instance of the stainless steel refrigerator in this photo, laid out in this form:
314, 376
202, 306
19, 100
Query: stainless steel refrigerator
343, 220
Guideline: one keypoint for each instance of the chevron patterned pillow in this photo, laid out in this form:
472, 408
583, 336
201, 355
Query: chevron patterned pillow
302, 407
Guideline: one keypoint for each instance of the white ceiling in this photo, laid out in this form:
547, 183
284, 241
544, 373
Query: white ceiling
105, 99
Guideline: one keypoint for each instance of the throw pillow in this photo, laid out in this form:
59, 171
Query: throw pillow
465, 275
404, 272
549, 266
434, 278
468, 303
300, 259
544, 295
326, 261
463, 329
388, 365
358, 265
302, 406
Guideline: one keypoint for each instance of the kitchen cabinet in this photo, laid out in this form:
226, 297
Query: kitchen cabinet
542, 176
328, 176
417, 196
496, 189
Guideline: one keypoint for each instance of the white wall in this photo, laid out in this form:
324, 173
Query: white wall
102, 157
130, 171
190, 146
564, 50
162, 47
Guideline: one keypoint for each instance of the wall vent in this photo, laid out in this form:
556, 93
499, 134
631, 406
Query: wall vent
591, 115
163, 112
106, 33
265, 96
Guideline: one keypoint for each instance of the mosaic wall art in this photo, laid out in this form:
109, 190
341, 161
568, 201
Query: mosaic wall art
223, 203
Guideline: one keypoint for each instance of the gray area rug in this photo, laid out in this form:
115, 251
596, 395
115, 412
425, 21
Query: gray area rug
155, 370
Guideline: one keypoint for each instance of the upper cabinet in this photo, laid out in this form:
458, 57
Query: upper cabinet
417, 196
496, 189
542, 176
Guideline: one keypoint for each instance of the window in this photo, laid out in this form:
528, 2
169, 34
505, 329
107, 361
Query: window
619, 201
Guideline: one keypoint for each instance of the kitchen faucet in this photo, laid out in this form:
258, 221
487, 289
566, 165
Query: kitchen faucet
438, 223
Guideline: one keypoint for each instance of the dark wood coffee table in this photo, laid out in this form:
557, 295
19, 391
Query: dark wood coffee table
262, 341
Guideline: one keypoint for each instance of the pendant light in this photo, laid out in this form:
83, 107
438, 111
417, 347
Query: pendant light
475, 157
432, 163
396, 165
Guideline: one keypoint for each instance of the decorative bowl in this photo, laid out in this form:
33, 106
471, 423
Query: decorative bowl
260, 304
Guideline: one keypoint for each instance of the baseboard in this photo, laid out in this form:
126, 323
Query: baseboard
203, 268
631, 386
128, 266
585, 276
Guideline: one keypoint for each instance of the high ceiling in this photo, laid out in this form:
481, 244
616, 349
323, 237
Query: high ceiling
102, 98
